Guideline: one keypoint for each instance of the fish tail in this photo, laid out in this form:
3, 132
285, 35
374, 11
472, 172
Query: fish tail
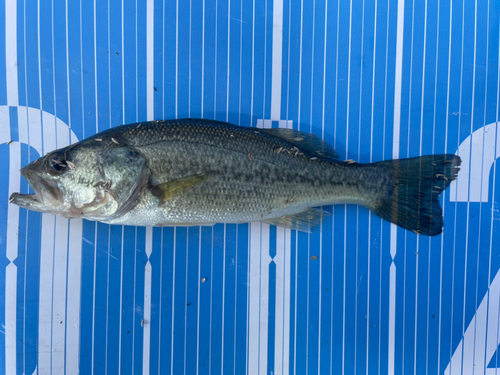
411, 199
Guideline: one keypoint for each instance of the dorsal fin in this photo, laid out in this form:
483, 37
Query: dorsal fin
315, 146
312, 145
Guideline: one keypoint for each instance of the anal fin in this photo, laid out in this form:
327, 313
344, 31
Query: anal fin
308, 221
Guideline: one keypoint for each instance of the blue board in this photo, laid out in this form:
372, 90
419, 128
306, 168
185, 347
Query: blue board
377, 79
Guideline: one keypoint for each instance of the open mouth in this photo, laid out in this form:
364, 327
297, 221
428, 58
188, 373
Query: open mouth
25, 200
46, 193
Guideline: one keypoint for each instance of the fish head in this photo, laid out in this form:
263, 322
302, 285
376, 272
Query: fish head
94, 180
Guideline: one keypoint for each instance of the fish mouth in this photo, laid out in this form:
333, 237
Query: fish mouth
29, 201
47, 195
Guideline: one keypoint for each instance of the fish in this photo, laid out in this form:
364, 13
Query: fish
191, 172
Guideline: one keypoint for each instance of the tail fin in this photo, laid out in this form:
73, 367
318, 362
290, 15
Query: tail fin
411, 201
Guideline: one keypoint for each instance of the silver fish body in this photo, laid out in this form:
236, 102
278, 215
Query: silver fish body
195, 172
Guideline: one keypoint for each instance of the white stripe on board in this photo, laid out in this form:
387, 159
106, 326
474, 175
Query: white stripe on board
12, 211
173, 302
150, 59
177, 57
253, 63
134, 299
11, 52
286, 310
228, 66
39, 64
398, 80
254, 302
148, 271
59, 276
281, 289
263, 302
282, 314
68, 80
325, 36
395, 155
277, 59
202, 60
223, 299
392, 317
123, 97
10, 318
146, 322
146, 343
300, 62
45, 295
11, 270
121, 304
73, 296
94, 277
190, 49
186, 298
197, 301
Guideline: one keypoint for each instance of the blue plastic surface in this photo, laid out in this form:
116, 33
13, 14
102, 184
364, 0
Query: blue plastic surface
377, 79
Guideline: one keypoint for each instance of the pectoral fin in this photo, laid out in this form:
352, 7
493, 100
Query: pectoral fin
170, 189
307, 221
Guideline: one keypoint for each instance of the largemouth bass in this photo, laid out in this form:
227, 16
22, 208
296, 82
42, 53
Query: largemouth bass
201, 172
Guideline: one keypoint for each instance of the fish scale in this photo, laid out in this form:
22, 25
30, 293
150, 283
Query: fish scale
192, 172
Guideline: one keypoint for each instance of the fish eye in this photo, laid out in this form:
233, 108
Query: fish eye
57, 163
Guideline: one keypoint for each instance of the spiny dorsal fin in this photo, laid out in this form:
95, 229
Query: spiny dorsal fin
170, 189
307, 221
315, 146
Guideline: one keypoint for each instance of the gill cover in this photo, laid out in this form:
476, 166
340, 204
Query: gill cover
123, 173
